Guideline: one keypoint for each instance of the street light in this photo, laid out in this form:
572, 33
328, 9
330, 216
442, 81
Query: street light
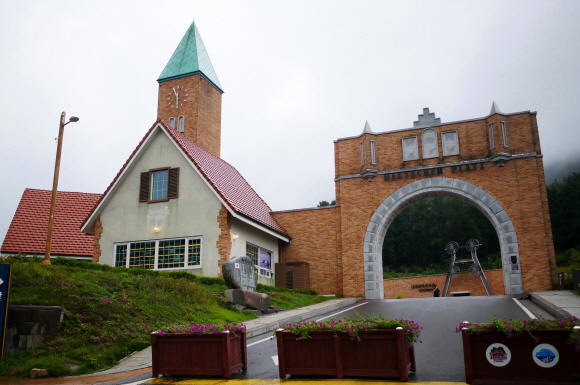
55, 186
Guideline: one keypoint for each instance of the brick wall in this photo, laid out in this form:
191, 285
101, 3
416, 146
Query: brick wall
224, 243
314, 240
464, 282
201, 110
97, 231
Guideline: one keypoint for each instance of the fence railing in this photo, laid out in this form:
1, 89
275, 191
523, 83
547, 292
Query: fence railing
569, 281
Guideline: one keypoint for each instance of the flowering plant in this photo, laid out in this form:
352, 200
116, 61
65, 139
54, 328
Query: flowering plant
353, 327
204, 329
515, 328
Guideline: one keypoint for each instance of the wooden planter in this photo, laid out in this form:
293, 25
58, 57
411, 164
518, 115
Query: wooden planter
209, 354
522, 368
380, 353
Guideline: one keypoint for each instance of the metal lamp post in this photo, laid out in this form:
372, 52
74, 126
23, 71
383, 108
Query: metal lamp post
55, 186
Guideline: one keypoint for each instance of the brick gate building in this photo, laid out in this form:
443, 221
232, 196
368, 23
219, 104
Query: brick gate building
494, 163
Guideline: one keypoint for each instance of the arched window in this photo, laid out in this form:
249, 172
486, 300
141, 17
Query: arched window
429, 143
180, 123
172, 122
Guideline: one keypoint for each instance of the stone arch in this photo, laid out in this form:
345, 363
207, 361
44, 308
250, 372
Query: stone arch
420, 189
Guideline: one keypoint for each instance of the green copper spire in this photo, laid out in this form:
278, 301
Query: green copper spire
190, 58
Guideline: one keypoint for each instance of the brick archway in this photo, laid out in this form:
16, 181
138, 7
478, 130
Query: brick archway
420, 189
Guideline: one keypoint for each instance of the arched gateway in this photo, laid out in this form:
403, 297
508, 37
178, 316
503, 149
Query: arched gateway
494, 163
420, 189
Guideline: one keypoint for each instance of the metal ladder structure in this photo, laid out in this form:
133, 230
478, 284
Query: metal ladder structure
475, 270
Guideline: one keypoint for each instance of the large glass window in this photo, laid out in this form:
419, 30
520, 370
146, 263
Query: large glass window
252, 252
429, 143
194, 252
120, 255
177, 253
410, 148
142, 255
171, 254
450, 140
159, 185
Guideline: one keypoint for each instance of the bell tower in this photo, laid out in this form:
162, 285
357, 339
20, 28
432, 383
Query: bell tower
190, 94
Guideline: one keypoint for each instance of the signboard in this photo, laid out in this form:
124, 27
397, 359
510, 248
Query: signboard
498, 355
5, 271
265, 259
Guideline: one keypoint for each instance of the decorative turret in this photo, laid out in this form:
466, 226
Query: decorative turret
190, 94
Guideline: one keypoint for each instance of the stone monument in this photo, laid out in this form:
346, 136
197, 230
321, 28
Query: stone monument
241, 278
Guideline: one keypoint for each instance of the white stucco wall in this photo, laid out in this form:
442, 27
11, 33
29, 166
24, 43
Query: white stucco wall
193, 213
247, 233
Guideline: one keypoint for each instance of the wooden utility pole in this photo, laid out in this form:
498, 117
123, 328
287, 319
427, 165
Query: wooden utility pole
55, 186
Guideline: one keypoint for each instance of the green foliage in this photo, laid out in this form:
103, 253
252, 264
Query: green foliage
564, 202
489, 263
232, 327
110, 311
325, 203
269, 289
498, 263
353, 327
418, 235
515, 328
399, 296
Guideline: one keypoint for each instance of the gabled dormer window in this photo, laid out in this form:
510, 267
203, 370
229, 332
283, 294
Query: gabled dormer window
180, 124
410, 148
429, 143
159, 185
172, 122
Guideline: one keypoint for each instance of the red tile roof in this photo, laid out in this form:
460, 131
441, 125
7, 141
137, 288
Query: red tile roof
29, 227
223, 177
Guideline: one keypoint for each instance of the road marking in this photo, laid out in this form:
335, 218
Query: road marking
529, 313
332, 315
275, 359
259, 342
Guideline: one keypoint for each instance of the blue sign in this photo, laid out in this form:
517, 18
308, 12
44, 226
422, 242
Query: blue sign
5, 271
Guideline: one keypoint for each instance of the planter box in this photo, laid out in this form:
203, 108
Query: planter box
208, 354
522, 367
380, 353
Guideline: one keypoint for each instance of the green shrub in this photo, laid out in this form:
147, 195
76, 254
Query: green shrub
399, 296
266, 288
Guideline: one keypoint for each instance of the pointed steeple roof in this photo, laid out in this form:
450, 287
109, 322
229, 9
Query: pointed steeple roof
367, 129
494, 109
190, 58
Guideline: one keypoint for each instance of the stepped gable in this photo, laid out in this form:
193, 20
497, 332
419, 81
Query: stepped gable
28, 230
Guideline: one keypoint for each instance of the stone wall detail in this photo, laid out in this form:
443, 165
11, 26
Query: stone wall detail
27, 326
224, 243
97, 231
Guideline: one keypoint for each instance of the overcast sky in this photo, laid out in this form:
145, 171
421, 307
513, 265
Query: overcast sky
296, 74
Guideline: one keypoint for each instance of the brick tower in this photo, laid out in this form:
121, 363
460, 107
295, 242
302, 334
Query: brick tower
190, 94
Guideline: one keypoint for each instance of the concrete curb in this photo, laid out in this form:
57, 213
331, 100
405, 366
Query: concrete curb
549, 307
263, 326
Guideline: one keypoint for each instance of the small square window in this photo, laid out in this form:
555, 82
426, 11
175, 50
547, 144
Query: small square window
159, 185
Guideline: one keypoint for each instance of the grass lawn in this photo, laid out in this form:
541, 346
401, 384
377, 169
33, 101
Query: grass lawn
110, 312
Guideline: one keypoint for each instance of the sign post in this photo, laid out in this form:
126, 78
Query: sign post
5, 274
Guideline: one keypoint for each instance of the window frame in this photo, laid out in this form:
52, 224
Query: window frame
429, 129
186, 264
491, 137
181, 124
442, 144
504, 133
151, 172
171, 122
416, 147
373, 153
362, 154
257, 266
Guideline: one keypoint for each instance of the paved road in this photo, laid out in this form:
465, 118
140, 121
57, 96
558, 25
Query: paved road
439, 357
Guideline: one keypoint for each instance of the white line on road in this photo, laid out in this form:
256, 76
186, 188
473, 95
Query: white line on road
275, 359
258, 342
529, 313
332, 315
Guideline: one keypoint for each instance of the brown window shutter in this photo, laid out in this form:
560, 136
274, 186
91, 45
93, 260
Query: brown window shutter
144, 190
173, 183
